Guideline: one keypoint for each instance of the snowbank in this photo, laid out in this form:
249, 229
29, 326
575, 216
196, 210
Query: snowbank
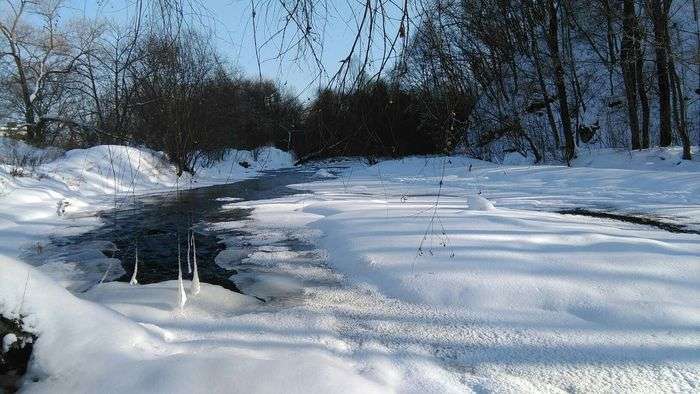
116, 346
323, 173
18, 153
655, 159
37, 200
76, 336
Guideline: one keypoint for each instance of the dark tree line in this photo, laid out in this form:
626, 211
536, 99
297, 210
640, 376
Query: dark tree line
547, 76
540, 77
83, 83
185, 103
544, 78
381, 118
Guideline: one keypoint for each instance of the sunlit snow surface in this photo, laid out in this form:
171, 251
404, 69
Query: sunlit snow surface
401, 286
500, 291
135, 339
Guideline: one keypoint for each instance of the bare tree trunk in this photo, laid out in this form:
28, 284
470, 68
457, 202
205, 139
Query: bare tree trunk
641, 90
678, 107
580, 104
535, 48
659, 9
679, 114
697, 50
564, 114
26, 96
545, 97
628, 65
611, 43
640, 78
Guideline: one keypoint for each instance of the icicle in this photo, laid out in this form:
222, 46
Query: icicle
181, 295
133, 280
195, 277
189, 265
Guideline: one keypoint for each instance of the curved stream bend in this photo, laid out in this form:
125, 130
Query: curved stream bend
156, 222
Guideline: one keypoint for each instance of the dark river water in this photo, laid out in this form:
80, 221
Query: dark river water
156, 222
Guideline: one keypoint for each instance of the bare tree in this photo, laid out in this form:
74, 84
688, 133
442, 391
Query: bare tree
558, 71
104, 78
628, 63
42, 56
659, 10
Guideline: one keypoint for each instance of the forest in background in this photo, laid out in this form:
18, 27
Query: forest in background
482, 77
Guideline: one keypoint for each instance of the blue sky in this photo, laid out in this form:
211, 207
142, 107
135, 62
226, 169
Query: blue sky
230, 22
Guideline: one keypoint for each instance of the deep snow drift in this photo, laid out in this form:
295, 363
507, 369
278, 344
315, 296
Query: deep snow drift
86, 347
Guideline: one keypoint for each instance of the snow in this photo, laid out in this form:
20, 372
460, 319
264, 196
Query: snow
195, 278
132, 330
426, 274
134, 276
323, 173
157, 302
479, 203
228, 199
519, 297
181, 294
7, 341
655, 159
66, 325
219, 342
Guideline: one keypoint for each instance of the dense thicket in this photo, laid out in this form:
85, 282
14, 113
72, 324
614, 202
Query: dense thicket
84, 82
185, 103
543, 78
549, 77
374, 120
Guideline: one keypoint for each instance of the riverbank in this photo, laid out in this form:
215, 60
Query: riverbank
218, 343
437, 274
469, 263
48, 193
44, 192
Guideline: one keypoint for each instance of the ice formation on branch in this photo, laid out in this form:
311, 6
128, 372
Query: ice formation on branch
181, 295
195, 277
133, 280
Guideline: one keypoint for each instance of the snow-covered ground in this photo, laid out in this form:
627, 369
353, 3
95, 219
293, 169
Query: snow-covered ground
467, 264
441, 274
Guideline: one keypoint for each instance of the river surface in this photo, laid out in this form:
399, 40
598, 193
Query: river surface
155, 223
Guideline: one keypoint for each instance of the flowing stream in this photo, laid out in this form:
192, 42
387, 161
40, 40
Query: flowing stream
156, 222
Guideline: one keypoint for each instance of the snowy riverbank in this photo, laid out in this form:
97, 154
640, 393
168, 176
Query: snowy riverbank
442, 274
45, 193
499, 286
57, 195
